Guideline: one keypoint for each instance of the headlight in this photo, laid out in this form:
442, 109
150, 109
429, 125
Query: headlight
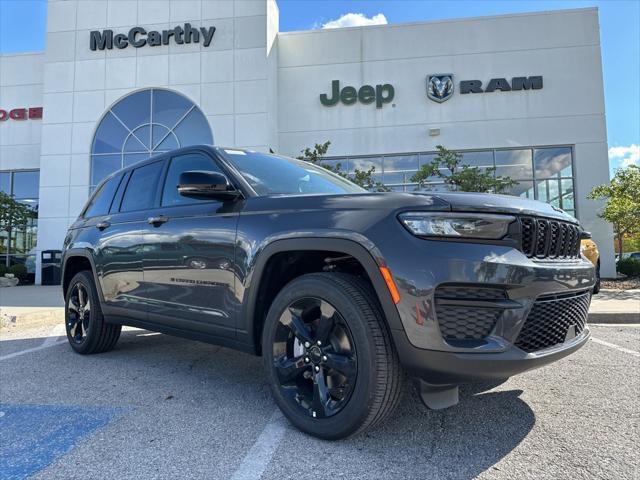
461, 225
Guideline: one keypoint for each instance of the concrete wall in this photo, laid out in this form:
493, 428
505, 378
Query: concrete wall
20, 87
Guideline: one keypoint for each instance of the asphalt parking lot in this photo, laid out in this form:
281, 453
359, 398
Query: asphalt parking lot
163, 407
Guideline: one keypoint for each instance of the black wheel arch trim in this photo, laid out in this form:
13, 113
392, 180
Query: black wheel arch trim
349, 247
84, 253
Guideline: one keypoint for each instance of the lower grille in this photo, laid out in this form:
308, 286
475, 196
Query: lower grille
457, 323
550, 319
466, 322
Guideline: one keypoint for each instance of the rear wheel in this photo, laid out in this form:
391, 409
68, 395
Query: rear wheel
331, 364
87, 331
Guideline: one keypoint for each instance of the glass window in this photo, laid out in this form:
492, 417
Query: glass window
143, 124
273, 175
522, 189
566, 186
5, 182
184, 163
101, 201
516, 164
400, 163
26, 184
365, 163
543, 174
552, 162
142, 187
478, 159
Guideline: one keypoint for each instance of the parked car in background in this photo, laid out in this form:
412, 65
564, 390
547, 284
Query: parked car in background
589, 249
342, 291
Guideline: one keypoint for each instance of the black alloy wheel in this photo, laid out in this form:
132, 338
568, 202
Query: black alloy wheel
315, 358
78, 313
87, 330
329, 357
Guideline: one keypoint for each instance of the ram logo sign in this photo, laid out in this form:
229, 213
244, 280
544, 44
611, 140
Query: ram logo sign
440, 87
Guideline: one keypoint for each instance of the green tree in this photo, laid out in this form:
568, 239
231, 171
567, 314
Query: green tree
448, 166
622, 208
363, 178
13, 216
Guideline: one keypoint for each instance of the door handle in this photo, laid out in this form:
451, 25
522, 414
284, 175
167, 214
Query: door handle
157, 221
102, 225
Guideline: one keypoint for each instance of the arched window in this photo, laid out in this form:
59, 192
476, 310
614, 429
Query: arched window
143, 124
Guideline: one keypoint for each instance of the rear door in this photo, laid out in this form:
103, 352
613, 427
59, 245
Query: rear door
189, 255
119, 253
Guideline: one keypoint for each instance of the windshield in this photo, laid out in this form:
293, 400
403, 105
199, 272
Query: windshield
275, 175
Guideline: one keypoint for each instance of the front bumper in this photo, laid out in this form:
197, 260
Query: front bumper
452, 368
500, 353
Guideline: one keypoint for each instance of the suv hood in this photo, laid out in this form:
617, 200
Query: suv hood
418, 201
492, 203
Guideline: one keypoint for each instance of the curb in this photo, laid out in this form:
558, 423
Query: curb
614, 317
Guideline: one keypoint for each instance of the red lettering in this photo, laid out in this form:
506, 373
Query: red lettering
18, 113
31, 113
35, 113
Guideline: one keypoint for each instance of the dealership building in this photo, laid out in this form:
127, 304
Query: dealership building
122, 80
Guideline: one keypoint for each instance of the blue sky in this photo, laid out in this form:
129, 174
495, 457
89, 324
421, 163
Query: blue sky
23, 23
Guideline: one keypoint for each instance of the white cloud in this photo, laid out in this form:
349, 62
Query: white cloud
620, 157
355, 20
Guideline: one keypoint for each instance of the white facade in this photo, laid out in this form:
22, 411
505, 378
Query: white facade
259, 88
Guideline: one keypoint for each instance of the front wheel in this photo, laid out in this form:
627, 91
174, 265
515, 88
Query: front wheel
331, 364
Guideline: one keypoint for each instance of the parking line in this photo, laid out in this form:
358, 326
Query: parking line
258, 457
621, 349
34, 349
54, 335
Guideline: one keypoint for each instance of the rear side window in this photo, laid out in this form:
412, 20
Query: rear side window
185, 163
142, 187
101, 201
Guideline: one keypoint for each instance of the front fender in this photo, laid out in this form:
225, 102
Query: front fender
366, 253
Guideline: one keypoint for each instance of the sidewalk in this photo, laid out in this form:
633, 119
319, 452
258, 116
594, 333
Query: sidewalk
615, 306
45, 303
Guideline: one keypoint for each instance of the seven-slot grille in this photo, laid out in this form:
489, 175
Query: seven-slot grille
550, 319
543, 238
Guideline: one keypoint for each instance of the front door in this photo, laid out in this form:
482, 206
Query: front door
189, 256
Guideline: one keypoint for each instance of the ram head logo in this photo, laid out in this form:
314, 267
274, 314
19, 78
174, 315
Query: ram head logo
440, 87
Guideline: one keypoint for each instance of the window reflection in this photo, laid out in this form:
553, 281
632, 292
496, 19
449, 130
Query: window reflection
543, 174
144, 124
552, 162
514, 163
18, 242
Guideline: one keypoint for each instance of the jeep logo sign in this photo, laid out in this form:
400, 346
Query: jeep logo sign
33, 113
138, 37
367, 94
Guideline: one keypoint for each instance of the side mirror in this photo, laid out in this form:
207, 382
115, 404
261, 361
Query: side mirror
202, 184
584, 235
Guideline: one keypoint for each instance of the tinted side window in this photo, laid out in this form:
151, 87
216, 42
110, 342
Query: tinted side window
101, 201
185, 163
141, 190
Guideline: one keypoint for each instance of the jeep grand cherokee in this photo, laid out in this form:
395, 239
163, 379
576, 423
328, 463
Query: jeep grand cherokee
341, 291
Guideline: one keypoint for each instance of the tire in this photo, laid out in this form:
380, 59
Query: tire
87, 332
360, 334
596, 287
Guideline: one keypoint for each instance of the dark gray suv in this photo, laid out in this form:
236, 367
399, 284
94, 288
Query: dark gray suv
342, 291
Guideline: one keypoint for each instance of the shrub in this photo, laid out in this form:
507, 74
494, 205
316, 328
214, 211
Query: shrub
20, 271
629, 267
